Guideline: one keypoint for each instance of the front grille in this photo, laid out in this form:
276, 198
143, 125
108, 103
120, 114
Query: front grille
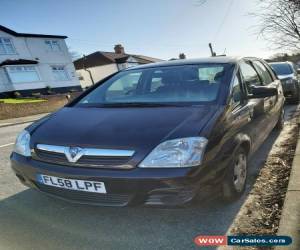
84, 161
86, 197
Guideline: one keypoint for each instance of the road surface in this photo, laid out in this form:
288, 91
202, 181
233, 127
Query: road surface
30, 220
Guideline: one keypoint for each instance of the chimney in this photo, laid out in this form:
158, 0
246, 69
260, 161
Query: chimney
182, 56
119, 49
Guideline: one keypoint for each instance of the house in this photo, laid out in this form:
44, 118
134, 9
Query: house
35, 63
98, 65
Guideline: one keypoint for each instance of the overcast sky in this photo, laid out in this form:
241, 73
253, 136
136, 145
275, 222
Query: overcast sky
158, 28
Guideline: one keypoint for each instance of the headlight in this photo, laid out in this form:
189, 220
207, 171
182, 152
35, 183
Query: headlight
178, 153
22, 144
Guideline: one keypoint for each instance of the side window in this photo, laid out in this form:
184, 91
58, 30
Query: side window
249, 75
263, 72
271, 71
236, 90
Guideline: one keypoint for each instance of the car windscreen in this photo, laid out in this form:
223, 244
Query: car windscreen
282, 68
182, 84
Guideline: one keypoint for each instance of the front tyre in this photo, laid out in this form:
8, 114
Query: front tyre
234, 183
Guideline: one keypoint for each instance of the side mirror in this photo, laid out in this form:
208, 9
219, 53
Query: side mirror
262, 92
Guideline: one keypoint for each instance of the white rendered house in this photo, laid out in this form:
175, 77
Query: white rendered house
31, 63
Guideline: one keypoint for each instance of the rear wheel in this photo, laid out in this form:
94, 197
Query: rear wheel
234, 182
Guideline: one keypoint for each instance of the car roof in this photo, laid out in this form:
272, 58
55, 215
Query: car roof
215, 59
286, 62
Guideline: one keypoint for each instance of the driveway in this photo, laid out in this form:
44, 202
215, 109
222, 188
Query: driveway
30, 220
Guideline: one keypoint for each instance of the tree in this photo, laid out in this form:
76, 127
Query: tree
296, 2
182, 56
279, 23
74, 54
199, 2
282, 57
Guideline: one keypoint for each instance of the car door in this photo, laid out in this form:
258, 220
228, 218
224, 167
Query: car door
272, 104
240, 118
279, 105
256, 108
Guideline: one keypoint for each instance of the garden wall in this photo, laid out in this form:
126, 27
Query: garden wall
51, 104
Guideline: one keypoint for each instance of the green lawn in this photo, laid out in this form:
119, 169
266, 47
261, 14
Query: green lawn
20, 100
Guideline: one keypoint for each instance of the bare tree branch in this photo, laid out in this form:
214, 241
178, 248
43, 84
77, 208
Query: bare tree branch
280, 23
74, 54
199, 2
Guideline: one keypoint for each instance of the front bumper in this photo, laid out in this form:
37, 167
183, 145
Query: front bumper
168, 187
290, 90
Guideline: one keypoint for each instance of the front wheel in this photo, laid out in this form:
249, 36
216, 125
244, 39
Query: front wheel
234, 182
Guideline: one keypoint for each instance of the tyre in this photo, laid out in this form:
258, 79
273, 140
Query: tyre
296, 98
280, 122
234, 182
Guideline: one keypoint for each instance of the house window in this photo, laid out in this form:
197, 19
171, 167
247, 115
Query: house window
53, 45
60, 73
22, 74
6, 46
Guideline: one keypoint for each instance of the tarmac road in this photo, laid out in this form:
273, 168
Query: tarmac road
30, 220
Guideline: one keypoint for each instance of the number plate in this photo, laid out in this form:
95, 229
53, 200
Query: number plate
79, 185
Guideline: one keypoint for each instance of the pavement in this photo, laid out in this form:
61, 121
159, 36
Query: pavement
20, 120
31, 220
290, 217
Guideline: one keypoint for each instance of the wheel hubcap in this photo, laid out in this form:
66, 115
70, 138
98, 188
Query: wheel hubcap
240, 172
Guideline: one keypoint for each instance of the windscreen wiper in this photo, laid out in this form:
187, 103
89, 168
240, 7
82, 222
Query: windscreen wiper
139, 104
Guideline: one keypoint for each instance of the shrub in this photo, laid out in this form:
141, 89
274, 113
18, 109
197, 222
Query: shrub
17, 94
36, 94
73, 90
49, 90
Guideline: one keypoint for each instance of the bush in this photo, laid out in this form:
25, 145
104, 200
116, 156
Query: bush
49, 90
36, 94
73, 90
17, 94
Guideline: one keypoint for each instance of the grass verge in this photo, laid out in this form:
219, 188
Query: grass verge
21, 100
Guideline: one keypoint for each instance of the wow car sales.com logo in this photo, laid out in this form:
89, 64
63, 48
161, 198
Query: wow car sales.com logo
215, 240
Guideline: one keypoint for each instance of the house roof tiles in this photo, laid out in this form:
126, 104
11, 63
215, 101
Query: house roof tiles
100, 58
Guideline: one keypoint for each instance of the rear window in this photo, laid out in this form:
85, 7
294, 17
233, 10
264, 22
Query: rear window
177, 84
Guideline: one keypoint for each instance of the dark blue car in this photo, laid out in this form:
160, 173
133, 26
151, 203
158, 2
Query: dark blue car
158, 134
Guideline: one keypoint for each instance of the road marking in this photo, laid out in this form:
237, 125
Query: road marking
6, 145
